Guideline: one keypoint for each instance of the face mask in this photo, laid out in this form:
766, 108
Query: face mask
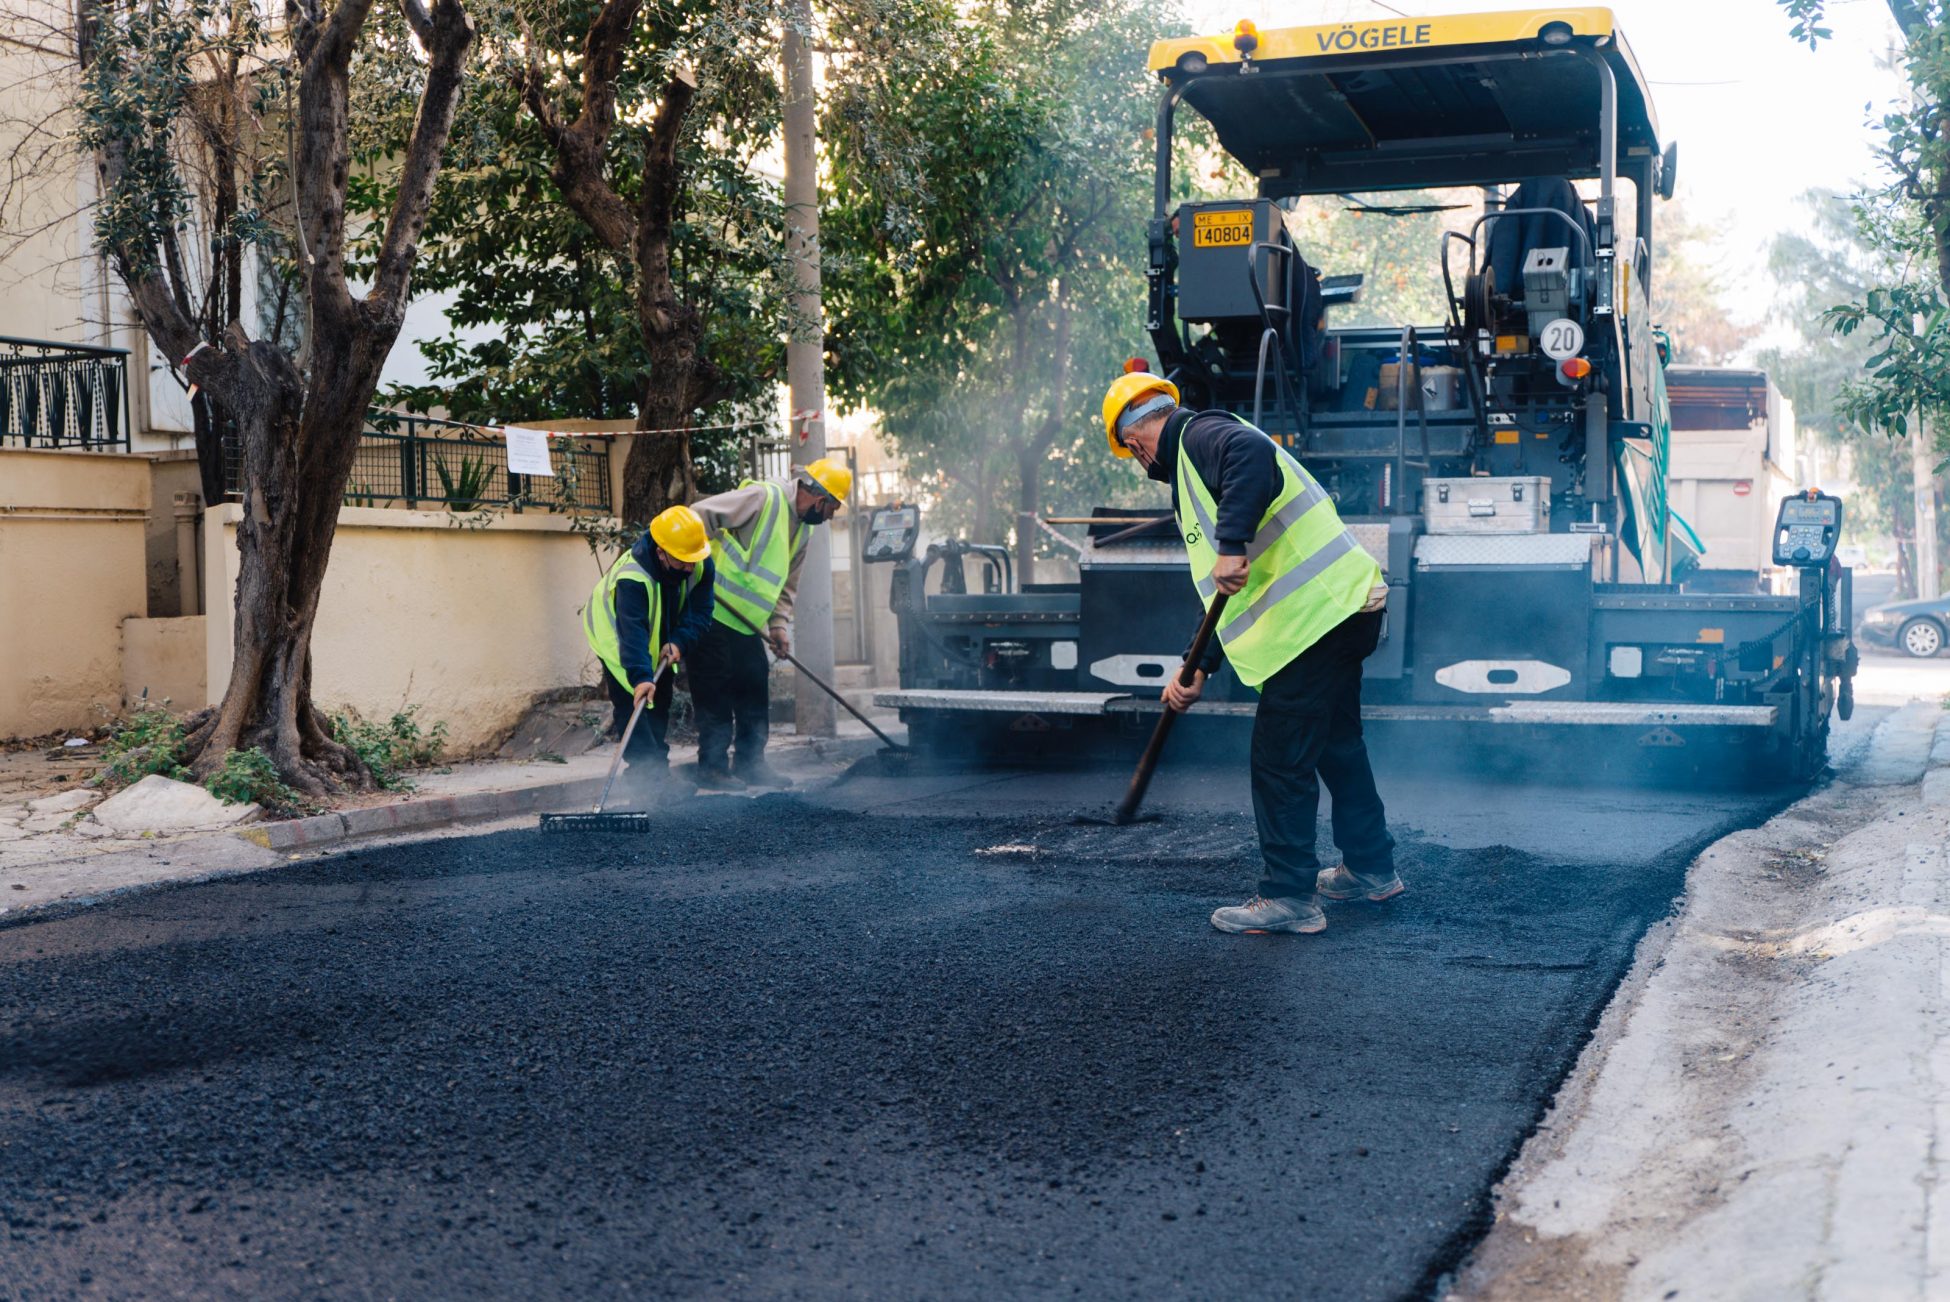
814, 514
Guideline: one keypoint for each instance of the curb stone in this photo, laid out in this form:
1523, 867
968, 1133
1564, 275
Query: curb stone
475, 806
410, 815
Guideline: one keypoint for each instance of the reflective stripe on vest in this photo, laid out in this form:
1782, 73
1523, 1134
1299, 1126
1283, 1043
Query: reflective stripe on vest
1306, 573
599, 615
750, 579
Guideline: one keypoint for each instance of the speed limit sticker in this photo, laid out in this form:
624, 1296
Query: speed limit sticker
1563, 339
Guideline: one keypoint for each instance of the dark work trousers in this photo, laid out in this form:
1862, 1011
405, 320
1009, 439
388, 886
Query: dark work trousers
1308, 728
647, 744
732, 693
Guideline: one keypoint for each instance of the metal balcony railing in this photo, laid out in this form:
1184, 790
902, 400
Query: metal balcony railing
422, 460
56, 395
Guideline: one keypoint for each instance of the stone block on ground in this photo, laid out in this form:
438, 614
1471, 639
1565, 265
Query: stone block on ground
160, 804
64, 802
564, 728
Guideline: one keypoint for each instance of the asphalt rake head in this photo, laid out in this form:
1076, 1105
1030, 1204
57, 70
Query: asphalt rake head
635, 823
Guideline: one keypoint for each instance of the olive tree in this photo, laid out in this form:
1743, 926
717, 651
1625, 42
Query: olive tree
149, 69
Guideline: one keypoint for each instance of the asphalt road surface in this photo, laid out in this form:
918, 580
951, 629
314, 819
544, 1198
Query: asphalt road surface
920, 1037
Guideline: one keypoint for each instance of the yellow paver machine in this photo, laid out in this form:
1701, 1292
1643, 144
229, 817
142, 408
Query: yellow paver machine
1506, 463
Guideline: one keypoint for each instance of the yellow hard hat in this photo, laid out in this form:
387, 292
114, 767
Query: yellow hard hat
1125, 390
678, 531
831, 474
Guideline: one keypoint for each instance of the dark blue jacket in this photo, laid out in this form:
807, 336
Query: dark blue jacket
1236, 462
685, 619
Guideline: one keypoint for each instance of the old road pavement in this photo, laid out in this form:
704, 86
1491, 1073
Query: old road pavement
923, 1037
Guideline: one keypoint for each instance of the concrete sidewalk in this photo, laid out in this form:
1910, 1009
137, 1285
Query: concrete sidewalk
56, 867
1764, 1110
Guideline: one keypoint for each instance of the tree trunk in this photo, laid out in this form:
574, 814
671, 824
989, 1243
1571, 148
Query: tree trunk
659, 472
290, 513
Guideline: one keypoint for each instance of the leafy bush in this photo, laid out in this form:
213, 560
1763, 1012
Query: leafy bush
148, 741
249, 775
390, 748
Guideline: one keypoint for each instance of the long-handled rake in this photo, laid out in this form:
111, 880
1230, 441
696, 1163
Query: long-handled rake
634, 821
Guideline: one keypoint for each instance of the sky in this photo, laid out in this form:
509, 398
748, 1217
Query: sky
1759, 119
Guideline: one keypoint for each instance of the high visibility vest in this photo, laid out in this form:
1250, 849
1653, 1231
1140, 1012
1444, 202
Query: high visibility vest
1305, 574
599, 616
750, 578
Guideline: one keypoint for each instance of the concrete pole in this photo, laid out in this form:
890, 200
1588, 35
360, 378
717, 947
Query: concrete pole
812, 609
1922, 464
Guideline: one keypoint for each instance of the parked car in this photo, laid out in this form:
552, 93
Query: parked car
1920, 628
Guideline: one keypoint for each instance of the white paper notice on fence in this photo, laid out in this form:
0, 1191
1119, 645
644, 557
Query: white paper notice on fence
528, 452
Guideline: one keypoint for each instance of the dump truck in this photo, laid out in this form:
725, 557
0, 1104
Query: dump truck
1507, 465
1734, 460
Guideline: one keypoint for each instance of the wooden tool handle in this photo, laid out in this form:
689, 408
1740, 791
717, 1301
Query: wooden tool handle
1148, 762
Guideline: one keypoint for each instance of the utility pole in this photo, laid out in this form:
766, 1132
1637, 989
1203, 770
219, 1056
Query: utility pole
1922, 465
812, 608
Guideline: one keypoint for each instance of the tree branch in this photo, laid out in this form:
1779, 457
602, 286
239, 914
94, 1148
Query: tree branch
580, 146
662, 187
449, 32
417, 18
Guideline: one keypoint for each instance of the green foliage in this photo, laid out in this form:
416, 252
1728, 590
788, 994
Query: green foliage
148, 741
248, 776
543, 318
1838, 261
1907, 223
985, 243
1806, 18
1398, 257
391, 748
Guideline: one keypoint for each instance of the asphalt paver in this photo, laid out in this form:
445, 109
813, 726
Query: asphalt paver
903, 1039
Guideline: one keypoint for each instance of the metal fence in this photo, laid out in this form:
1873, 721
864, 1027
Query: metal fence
767, 457
416, 460
56, 395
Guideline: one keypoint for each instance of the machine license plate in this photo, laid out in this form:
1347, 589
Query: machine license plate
1218, 230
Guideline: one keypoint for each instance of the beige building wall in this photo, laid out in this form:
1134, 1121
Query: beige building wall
163, 663
71, 570
469, 624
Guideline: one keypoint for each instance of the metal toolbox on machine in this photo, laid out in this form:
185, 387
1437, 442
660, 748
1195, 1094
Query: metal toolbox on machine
1516, 504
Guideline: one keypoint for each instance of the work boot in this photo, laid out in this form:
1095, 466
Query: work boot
717, 779
762, 774
1259, 915
1342, 883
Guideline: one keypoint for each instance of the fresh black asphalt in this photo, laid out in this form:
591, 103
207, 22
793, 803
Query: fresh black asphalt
922, 1040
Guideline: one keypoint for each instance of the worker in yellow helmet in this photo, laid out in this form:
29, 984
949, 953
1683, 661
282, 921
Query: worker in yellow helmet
1304, 609
758, 534
647, 613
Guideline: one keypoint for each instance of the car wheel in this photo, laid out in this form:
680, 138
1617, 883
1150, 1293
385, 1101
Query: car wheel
1922, 638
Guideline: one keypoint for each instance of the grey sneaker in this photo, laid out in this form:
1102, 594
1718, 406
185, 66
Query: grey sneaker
1258, 916
1342, 883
